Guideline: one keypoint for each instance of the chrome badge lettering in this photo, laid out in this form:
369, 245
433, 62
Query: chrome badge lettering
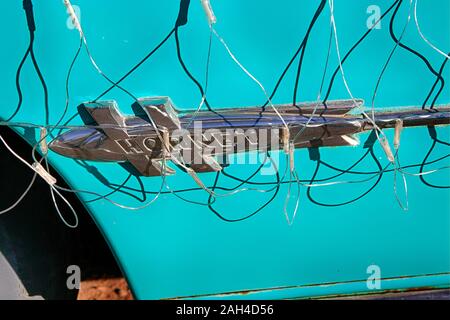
202, 140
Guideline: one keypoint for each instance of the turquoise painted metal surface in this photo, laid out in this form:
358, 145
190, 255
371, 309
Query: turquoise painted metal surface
175, 249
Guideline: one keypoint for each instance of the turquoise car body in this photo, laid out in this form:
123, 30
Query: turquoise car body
175, 249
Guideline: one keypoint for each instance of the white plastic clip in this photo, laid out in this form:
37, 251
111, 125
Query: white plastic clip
43, 141
44, 174
285, 137
387, 149
73, 15
291, 157
206, 4
194, 176
398, 132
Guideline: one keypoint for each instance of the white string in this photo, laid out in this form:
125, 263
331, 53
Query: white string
250, 76
341, 68
164, 143
384, 142
426, 172
423, 36
202, 101
331, 3
303, 184
36, 171
287, 147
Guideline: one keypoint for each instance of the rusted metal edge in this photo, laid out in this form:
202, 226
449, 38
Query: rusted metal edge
324, 285
395, 294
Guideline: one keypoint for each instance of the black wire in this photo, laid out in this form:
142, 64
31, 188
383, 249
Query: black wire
287, 181
422, 177
433, 135
305, 42
18, 88
425, 60
386, 171
116, 188
31, 24
67, 85
102, 179
220, 216
133, 69
300, 48
182, 20
380, 176
441, 70
43, 83
333, 77
244, 181
183, 65
116, 84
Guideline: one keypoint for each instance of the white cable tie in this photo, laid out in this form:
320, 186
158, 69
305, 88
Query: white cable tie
387, 149
39, 169
206, 4
43, 141
291, 157
285, 136
398, 132
194, 176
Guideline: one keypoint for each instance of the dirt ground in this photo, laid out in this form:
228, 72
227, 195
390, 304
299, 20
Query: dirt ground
105, 289
117, 289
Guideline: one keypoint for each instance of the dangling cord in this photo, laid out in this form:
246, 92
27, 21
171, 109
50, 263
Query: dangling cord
425, 38
399, 123
163, 176
51, 181
28, 7
313, 114
341, 68
277, 188
383, 139
233, 57
42, 142
44, 148
77, 25
302, 55
116, 84
285, 132
208, 61
212, 21
164, 143
292, 173
44, 133
414, 52
353, 48
397, 166
300, 132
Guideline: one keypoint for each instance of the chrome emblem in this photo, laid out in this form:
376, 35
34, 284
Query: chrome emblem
204, 139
